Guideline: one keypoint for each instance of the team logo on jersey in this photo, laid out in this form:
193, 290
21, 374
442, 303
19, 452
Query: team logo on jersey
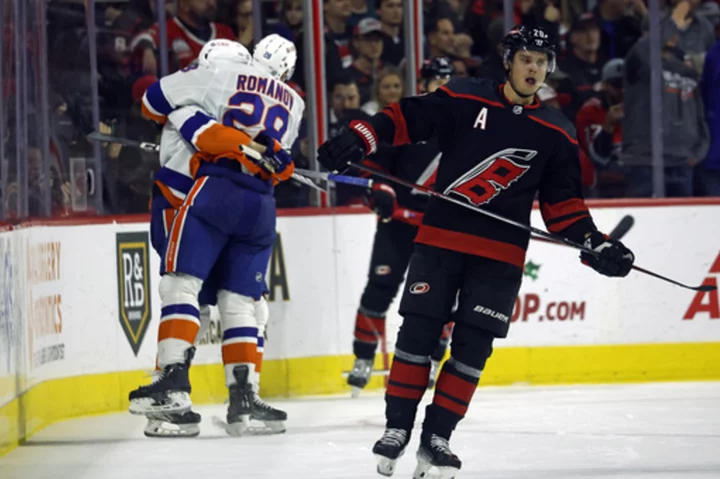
133, 282
491, 176
419, 288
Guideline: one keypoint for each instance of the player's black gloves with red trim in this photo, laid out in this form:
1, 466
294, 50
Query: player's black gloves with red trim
383, 200
614, 259
350, 146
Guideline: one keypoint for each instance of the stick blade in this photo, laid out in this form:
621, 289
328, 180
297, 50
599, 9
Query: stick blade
622, 227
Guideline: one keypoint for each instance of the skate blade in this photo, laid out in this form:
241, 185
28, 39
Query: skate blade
385, 465
423, 471
268, 427
177, 402
236, 429
158, 428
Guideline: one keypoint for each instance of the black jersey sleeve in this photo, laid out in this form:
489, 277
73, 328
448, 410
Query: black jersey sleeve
413, 119
561, 200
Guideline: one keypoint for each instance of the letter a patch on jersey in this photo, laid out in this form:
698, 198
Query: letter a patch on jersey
492, 176
481, 120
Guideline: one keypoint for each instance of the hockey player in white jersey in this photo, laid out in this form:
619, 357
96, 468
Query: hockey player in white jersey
225, 227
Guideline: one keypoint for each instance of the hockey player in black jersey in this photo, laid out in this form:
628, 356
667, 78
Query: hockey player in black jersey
393, 242
500, 147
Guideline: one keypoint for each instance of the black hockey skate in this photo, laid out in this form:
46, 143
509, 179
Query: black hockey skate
274, 419
241, 403
389, 449
360, 375
169, 393
173, 425
434, 451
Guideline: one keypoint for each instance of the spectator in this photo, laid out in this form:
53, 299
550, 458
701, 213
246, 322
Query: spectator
291, 20
360, 9
493, 66
461, 68
440, 38
435, 73
344, 105
685, 134
582, 64
695, 34
367, 45
388, 88
337, 13
599, 133
707, 175
187, 32
239, 16
619, 29
390, 13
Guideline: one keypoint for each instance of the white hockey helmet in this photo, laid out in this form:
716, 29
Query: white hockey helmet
276, 55
221, 51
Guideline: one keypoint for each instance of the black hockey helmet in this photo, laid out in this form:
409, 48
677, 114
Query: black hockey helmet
521, 37
438, 67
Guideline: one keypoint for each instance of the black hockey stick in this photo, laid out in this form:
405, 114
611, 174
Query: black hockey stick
152, 147
617, 233
544, 234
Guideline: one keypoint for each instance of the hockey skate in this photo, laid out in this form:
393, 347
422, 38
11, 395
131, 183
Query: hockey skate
360, 375
389, 449
434, 451
169, 393
173, 425
273, 419
241, 404
434, 370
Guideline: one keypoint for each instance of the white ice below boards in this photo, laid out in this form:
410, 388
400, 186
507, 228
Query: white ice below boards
665, 430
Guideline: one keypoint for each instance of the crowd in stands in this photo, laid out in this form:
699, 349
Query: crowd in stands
602, 82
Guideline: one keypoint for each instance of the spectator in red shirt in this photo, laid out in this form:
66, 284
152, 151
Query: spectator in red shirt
368, 48
599, 133
186, 34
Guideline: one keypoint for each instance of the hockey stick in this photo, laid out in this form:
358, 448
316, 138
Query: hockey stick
143, 145
152, 147
617, 233
544, 234
620, 230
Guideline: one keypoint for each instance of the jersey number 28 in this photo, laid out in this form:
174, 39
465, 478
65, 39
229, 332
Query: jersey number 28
247, 110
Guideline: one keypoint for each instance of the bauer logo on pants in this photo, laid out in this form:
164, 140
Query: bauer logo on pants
133, 282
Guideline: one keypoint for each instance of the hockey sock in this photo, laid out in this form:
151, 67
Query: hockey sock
240, 333
454, 390
179, 317
458, 379
410, 369
258, 362
369, 329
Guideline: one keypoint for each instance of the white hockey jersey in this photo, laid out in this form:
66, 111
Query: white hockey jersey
239, 96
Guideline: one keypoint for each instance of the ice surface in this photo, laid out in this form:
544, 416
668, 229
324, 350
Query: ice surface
664, 430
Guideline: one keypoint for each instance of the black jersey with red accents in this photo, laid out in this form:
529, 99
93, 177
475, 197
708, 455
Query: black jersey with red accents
415, 162
497, 156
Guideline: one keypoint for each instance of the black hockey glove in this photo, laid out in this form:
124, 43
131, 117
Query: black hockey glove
614, 259
350, 146
383, 201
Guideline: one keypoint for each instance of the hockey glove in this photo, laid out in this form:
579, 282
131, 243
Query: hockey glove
614, 259
350, 146
382, 200
281, 163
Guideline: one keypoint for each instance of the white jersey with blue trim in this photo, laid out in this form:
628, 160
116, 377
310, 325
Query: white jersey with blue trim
240, 96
